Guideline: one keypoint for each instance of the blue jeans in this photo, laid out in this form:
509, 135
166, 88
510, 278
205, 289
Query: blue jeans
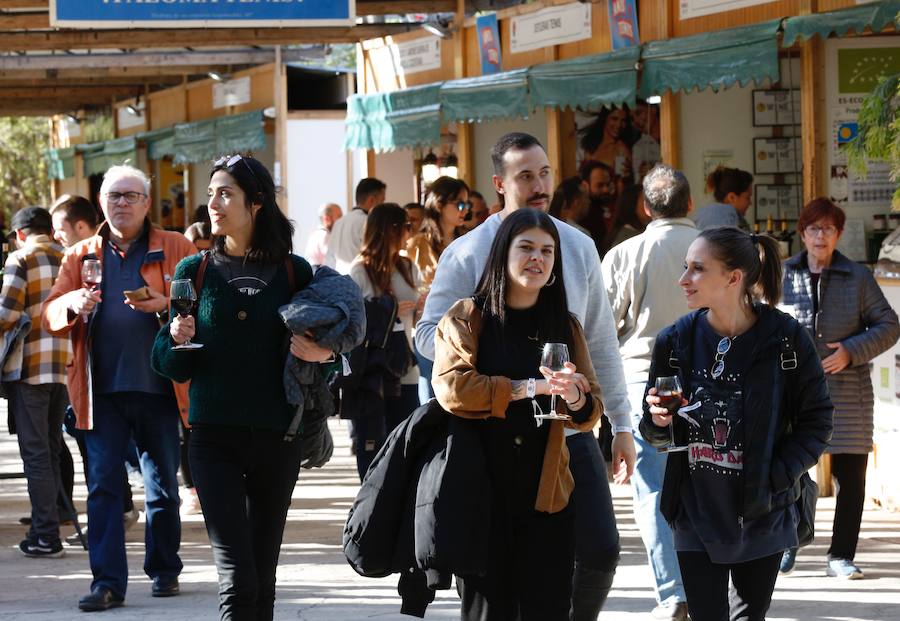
425, 367
646, 487
153, 422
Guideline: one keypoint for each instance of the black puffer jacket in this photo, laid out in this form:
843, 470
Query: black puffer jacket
787, 411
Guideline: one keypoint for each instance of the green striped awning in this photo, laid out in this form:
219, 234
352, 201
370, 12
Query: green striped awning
101, 156
240, 133
160, 142
589, 82
875, 16
60, 163
487, 97
717, 59
394, 120
195, 142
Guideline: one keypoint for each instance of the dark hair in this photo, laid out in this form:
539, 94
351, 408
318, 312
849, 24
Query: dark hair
475, 194
380, 250
626, 208
77, 209
513, 141
271, 239
722, 181
761, 266
441, 191
35, 230
667, 192
367, 187
589, 166
552, 307
592, 134
569, 190
409, 206
821, 209
201, 215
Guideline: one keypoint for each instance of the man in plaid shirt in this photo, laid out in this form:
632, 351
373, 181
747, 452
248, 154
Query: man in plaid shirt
38, 398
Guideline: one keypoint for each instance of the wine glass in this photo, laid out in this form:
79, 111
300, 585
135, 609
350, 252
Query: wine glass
554, 357
668, 389
184, 299
91, 276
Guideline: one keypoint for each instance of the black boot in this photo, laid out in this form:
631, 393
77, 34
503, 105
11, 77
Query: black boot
590, 587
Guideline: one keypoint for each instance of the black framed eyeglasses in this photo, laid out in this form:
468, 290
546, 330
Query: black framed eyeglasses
229, 161
130, 197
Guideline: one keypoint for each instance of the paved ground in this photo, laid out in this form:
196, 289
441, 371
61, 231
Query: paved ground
316, 584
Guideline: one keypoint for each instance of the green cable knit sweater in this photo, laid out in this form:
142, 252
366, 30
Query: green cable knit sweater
236, 379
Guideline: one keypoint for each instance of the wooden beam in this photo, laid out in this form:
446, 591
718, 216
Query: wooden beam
154, 75
149, 61
25, 4
134, 84
191, 37
68, 93
24, 21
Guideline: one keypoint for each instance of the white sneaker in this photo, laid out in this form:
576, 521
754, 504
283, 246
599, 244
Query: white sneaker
190, 502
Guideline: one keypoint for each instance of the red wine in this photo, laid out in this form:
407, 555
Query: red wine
183, 306
92, 282
670, 400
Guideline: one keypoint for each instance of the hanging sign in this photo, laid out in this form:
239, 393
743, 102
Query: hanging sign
552, 26
95, 14
623, 24
696, 8
422, 54
231, 93
489, 43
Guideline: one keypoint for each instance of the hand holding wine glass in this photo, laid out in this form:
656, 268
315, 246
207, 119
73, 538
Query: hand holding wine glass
665, 399
554, 358
91, 277
184, 300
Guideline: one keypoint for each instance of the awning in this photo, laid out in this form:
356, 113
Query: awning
590, 82
60, 163
497, 96
717, 59
160, 142
240, 132
385, 121
876, 16
195, 142
99, 157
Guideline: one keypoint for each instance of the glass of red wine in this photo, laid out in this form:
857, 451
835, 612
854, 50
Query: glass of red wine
184, 300
91, 276
668, 389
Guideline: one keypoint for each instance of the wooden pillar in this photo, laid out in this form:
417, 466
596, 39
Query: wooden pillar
280, 95
670, 129
554, 127
811, 119
464, 134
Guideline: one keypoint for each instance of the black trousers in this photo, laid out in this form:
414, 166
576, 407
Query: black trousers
244, 480
709, 597
529, 571
850, 472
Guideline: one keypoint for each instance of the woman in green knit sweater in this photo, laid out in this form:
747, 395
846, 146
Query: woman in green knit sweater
243, 469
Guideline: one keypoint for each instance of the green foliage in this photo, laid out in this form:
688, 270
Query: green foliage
23, 169
98, 127
878, 134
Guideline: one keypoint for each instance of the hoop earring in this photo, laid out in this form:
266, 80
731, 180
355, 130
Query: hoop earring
551, 281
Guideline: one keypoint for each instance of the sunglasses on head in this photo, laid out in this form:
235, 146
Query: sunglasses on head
229, 161
406, 225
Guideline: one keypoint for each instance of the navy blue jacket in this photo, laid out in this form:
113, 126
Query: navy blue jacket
787, 411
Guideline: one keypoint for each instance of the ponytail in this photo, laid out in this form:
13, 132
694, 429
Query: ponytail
757, 256
723, 181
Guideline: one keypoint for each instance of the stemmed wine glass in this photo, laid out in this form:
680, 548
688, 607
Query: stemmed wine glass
184, 298
92, 276
554, 357
668, 389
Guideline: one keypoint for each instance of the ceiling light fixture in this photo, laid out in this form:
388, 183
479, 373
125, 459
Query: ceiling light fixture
430, 170
440, 28
219, 77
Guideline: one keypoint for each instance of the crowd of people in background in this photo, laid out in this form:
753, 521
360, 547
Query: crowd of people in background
721, 375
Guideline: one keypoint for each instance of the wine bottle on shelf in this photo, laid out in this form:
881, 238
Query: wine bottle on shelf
785, 239
770, 227
756, 228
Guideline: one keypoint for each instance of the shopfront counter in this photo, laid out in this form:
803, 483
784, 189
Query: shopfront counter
883, 484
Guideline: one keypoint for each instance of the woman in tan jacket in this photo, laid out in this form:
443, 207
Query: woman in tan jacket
487, 367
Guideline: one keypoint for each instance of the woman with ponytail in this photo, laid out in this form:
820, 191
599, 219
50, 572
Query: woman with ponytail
732, 189
753, 416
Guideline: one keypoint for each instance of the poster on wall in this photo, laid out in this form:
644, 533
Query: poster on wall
623, 24
776, 156
776, 107
697, 8
780, 201
551, 26
422, 54
231, 93
714, 158
489, 44
858, 65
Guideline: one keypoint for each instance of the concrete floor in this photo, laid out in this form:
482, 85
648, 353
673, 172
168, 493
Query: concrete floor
316, 584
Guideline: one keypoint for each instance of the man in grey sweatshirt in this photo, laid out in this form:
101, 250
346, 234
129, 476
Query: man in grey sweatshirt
523, 179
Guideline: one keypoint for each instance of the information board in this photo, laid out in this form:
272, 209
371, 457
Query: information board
94, 14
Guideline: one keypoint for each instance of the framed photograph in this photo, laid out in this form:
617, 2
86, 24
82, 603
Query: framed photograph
773, 107
781, 201
776, 156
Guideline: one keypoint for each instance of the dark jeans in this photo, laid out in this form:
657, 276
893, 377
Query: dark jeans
186, 476
850, 472
529, 575
66, 477
244, 480
708, 594
152, 420
367, 434
38, 410
78, 435
596, 535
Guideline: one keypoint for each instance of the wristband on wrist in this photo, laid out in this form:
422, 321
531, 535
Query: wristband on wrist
530, 386
621, 429
577, 399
